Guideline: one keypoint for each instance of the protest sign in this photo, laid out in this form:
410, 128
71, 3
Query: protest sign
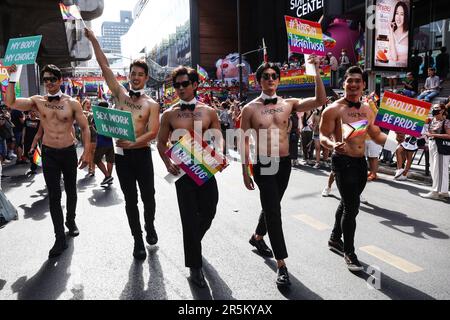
114, 123
196, 158
304, 36
402, 114
22, 50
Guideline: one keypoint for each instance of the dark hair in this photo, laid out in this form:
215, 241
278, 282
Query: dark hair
185, 71
103, 104
264, 67
54, 70
406, 15
353, 70
140, 63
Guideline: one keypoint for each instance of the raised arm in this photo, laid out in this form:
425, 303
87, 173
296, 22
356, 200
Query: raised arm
109, 76
303, 105
22, 104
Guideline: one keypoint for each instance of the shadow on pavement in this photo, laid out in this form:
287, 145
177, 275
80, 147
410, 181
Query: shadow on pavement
219, 289
50, 281
105, 197
296, 291
395, 218
85, 183
2, 284
39, 208
392, 288
135, 287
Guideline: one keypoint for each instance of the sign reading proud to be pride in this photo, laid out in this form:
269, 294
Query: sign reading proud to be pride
22, 50
304, 36
114, 123
402, 114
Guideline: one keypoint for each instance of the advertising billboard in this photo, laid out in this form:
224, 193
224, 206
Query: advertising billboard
392, 34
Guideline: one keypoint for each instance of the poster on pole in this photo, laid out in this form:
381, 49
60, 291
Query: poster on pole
196, 158
114, 123
304, 37
402, 114
22, 50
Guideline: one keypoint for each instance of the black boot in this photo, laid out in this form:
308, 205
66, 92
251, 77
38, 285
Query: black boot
58, 248
152, 237
73, 229
197, 277
139, 252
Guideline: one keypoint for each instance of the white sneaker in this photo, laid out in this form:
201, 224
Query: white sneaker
402, 178
430, 195
317, 166
363, 200
398, 173
326, 192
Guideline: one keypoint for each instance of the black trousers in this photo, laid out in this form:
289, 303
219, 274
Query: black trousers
55, 162
197, 210
271, 191
136, 166
351, 179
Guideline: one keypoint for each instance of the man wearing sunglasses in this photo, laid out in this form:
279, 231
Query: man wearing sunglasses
135, 165
197, 204
269, 115
57, 113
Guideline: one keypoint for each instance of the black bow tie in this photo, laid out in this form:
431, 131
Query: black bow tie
270, 101
51, 98
352, 104
132, 94
189, 107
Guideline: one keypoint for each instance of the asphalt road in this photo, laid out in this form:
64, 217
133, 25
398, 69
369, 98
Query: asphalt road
401, 239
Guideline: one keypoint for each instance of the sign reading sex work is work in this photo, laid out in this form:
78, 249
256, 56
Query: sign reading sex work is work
197, 158
114, 123
402, 114
22, 50
304, 36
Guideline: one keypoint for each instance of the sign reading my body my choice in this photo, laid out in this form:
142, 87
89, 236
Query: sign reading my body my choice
114, 123
22, 50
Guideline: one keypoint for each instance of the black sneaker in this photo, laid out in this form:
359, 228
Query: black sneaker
261, 246
107, 180
152, 237
352, 262
283, 277
139, 252
58, 248
336, 246
73, 229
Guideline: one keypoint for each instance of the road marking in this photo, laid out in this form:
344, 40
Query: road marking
391, 259
316, 224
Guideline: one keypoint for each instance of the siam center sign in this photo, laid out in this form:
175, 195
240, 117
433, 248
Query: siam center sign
306, 9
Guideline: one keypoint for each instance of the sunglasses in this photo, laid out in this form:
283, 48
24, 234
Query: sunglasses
184, 84
267, 76
50, 79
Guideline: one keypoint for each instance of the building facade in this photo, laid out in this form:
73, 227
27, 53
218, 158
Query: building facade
112, 31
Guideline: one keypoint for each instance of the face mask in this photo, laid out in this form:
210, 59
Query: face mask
435, 112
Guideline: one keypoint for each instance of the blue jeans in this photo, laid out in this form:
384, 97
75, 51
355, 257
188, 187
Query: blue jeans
428, 95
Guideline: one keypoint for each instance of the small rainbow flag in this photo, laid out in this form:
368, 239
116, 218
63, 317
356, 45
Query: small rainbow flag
355, 129
202, 73
70, 12
250, 171
37, 156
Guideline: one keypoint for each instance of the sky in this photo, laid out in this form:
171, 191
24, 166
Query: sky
111, 12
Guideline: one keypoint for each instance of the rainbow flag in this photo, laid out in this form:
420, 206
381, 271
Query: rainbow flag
355, 129
37, 156
304, 37
70, 12
202, 73
197, 158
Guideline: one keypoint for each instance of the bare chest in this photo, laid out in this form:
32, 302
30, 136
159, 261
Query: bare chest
139, 111
190, 120
55, 111
265, 117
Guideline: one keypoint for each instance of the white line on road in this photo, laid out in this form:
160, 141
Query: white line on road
316, 224
391, 259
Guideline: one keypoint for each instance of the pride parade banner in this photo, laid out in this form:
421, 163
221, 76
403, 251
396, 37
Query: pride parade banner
402, 114
114, 123
197, 158
304, 36
22, 50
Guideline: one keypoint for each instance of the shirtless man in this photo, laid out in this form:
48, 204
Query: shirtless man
197, 204
57, 113
348, 160
135, 165
269, 116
